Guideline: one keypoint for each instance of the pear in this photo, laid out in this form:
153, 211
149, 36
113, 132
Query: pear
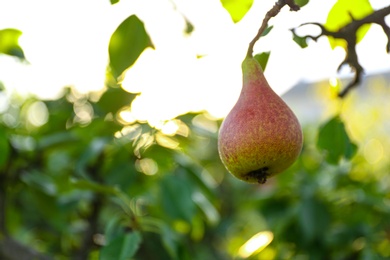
261, 136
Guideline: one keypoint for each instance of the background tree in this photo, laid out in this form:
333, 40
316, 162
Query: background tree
77, 181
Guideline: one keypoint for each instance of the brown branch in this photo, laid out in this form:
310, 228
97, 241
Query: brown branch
87, 242
271, 13
11, 249
93, 217
348, 33
3, 227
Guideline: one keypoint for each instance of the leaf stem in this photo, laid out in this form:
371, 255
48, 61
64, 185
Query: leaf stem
271, 13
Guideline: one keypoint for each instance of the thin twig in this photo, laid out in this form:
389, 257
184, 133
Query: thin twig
92, 219
271, 13
348, 33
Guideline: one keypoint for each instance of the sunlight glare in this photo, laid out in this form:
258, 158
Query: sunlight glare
335, 86
184, 73
38, 114
373, 151
256, 243
170, 127
147, 166
84, 112
163, 88
166, 141
126, 116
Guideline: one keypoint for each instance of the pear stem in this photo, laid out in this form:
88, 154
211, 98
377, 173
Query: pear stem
271, 13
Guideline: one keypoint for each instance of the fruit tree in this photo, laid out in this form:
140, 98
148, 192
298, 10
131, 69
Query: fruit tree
82, 177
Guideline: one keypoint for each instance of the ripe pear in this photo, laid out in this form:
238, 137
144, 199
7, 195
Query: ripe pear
261, 136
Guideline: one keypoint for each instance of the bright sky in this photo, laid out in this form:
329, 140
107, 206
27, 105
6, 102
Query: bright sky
66, 43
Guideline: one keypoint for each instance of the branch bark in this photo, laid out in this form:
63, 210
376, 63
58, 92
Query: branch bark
93, 218
83, 252
348, 33
271, 13
11, 249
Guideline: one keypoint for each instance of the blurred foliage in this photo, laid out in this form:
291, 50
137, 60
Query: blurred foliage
126, 190
9, 42
114, 1
127, 43
237, 8
78, 181
334, 140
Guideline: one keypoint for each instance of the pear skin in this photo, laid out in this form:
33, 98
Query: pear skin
261, 136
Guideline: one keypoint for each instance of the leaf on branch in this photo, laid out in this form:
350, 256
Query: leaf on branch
122, 248
344, 12
127, 43
301, 41
262, 58
189, 26
301, 3
237, 8
335, 142
348, 36
9, 43
83, 184
266, 31
121, 97
4, 148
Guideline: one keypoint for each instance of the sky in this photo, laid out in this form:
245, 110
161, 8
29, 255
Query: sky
66, 42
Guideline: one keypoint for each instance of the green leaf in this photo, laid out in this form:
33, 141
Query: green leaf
126, 44
4, 148
314, 218
176, 198
114, 99
56, 139
237, 8
342, 13
262, 58
114, 228
334, 141
91, 154
93, 186
301, 41
301, 3
169, 238
40, 181
267, 30
189, 26
114, 1
9, 43
207, 207
122, 248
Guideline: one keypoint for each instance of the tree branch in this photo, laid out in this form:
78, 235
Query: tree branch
3, 228
93, 217
85, 248
271, 13
348, 33
13, 250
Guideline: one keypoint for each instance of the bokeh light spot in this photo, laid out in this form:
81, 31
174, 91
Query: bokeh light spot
147, 166
37, 114
255, 244
373, 151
